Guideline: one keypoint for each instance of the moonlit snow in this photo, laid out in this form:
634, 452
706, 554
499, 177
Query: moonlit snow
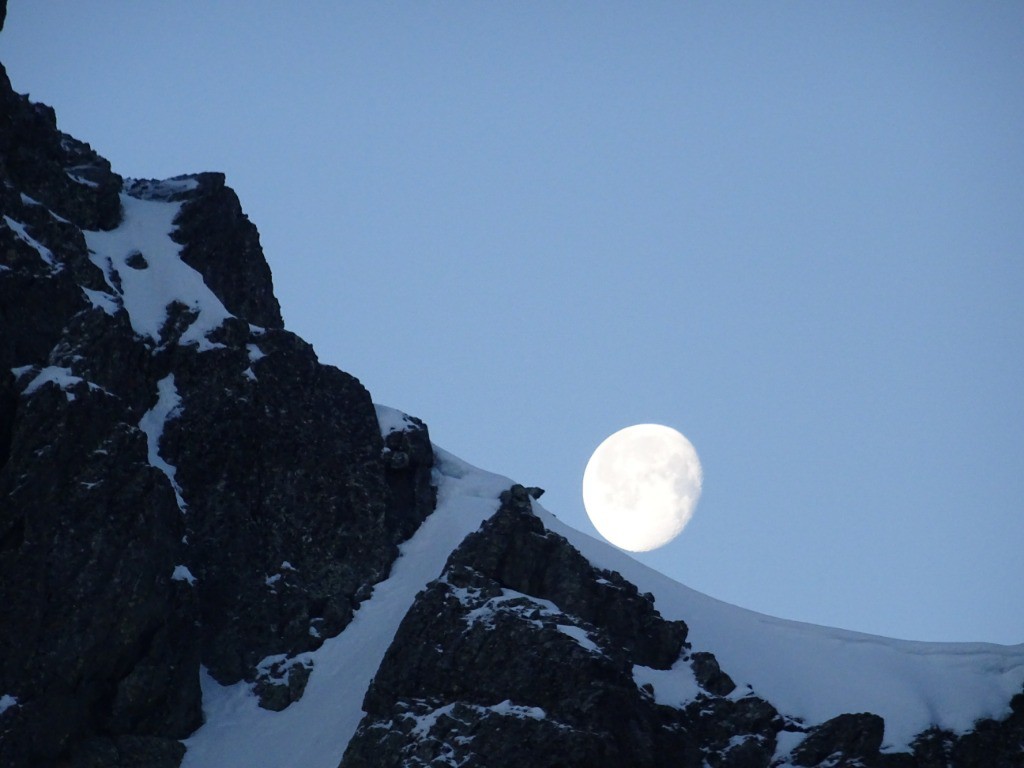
52, 374
57, 375
182, 573
168, 406
44, 253
147, 291
806, 671
7, 702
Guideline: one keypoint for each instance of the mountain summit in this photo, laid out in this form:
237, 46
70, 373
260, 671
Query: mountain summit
217, 551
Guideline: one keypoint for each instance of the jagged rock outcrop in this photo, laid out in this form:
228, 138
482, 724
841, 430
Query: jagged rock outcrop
852, 737
523, 648
222, 245
408, 460
992, 743
183, 483
856, 739
522, 652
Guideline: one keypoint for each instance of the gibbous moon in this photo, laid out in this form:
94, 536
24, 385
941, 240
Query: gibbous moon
641, 485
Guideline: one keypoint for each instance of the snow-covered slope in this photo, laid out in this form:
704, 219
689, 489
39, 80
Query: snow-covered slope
315, 730
808, 672
815, 673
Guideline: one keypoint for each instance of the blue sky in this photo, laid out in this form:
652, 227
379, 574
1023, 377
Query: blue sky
794, 232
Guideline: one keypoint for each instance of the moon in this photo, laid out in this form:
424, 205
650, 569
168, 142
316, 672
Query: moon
641, 486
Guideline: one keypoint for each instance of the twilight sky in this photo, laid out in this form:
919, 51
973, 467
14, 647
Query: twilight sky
794, 232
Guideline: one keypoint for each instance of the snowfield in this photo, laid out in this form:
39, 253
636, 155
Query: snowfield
807, 671
143, 269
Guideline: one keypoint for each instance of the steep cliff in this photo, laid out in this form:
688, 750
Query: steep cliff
182, 482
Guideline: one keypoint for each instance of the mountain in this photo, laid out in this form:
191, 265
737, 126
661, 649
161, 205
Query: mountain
217, 551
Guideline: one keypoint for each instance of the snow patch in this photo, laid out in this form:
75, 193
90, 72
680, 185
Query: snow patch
54, 374
44, 253
785, 743
580, 636
168, 406
26, 200
392, 420
147, 293
508, 709
426, 721
526, 607
536, 611
182, 573
674, 687
7, 702
102, 300
81, 180
255, 353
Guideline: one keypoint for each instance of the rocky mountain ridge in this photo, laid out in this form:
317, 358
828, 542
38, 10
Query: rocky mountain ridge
183, 482
192, 505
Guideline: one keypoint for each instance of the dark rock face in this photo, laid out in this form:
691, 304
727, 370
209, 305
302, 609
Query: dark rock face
62, 173
166, 502
515, 550
855, 740
523, 653
224, 247
992, 743
847, 737
408, 461
710, 675
138, 751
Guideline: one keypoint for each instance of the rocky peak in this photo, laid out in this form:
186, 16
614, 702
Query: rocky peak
222, 245
522, 641
183, 483
59, 172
